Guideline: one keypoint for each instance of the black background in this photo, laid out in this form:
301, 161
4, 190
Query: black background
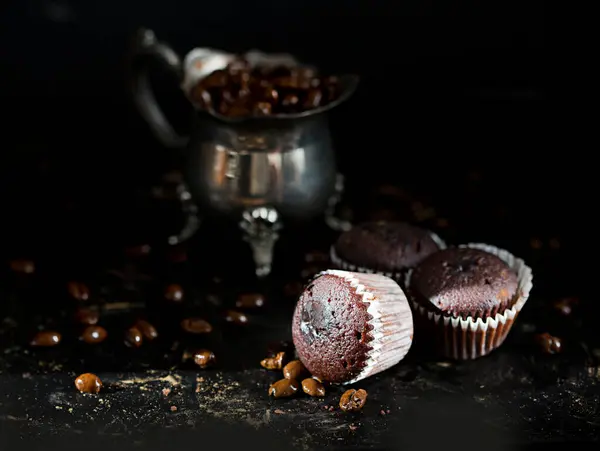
448, 89
452, 92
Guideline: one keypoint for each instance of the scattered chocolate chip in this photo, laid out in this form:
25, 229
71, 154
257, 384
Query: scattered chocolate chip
148, 330
566, 306
231, 316
250, 300
46, 338
174, 293
204, 358
88, 383
313, 387
87, 316
353, 400
196, 326
133, 337
94, 334
294, 370
274, 363
548, 343
78, 291
283, 388
23, 266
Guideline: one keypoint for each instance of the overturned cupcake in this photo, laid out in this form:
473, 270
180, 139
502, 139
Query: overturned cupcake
384, 247
469, 297
348, 326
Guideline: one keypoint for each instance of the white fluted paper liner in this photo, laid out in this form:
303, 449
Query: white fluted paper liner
399, 276
470, 338
392, 320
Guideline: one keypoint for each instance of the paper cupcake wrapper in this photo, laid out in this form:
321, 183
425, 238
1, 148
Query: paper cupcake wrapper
470, 338
392, 320
398, 276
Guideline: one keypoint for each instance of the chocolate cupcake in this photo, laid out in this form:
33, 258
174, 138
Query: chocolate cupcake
382, 247
470, 297
348, 326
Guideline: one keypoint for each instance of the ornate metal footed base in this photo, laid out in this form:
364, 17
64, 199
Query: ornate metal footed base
261, 227
333, 215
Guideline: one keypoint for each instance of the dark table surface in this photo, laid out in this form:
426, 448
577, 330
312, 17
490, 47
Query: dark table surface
516, 396
456, 139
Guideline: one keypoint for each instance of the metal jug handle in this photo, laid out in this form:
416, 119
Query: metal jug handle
145, 47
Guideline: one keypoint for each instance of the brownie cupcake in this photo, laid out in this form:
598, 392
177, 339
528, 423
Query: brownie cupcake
384, 247
470, 297
348, 326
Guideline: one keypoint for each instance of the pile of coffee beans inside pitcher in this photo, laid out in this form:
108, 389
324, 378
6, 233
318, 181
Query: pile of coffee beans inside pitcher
241, 90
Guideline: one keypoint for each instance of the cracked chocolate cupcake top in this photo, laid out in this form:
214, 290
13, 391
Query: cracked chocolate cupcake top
331, 329
463, 282
385, 246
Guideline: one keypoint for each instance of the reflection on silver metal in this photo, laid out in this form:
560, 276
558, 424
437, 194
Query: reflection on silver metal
190, 210
261, 226
331, 214
282, 163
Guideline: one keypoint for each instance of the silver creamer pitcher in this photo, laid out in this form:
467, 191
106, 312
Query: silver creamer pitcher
259, 171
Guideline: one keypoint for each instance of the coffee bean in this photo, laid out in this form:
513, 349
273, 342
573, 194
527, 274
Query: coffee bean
262, 109
216, 79
294, 370
88, 383
204, 358
274, 363
78, 291
94, 334
231, 316
46, 338
133, 337
290, 100
250, 300
312, 387
241, 90
87, 316
23, 266
548, 343
203, 97
566, 306
174, 293
141, 250
353, 400
148, 330
284, 388
196, 326
313, 98
177, 254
